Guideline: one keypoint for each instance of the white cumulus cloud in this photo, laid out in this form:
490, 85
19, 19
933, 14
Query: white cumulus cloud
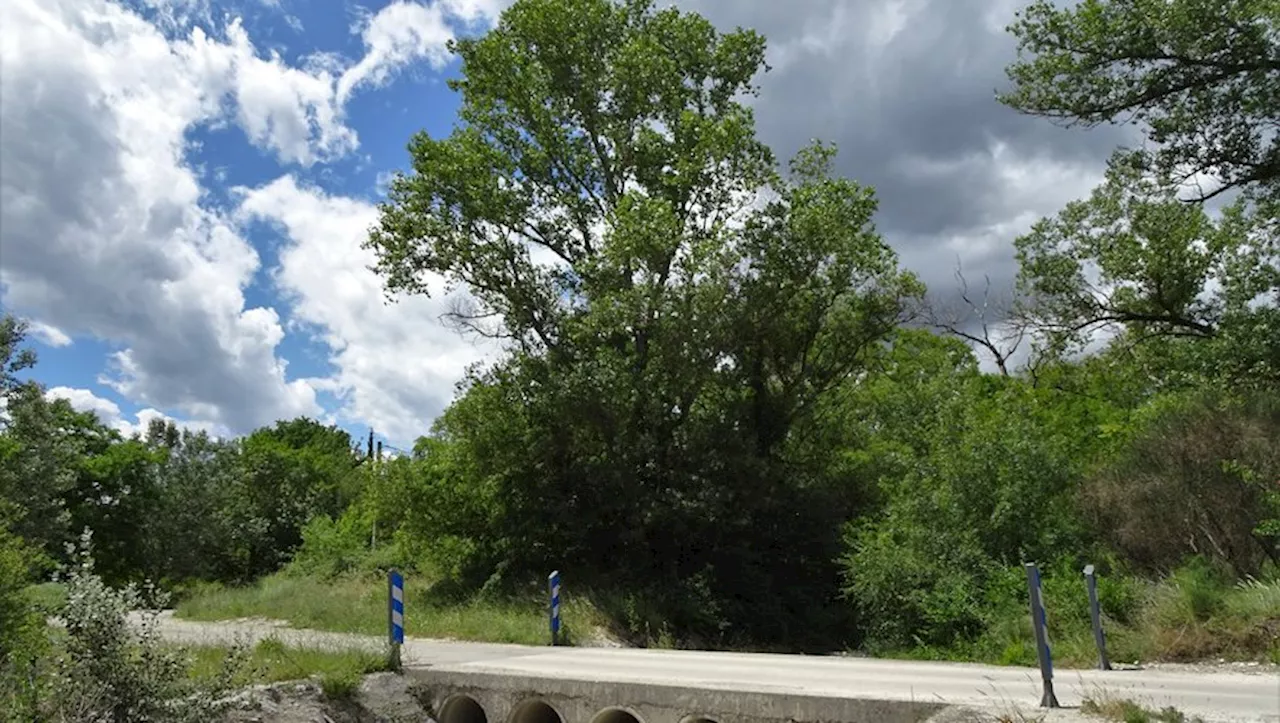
108, 412
105, 226
396, 363
50, 335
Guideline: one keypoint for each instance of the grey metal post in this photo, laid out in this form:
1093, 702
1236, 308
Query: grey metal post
1040, 624
1095, 613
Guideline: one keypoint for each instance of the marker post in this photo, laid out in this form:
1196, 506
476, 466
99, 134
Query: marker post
1040, 624
553, 583
395, 615
1095, 614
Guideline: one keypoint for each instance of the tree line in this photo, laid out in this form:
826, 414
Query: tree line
725, 403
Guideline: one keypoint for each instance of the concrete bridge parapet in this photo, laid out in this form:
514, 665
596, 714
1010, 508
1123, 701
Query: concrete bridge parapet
471, 697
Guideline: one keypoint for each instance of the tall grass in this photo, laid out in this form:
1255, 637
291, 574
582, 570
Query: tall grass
358, 604
270, 661
1194, 614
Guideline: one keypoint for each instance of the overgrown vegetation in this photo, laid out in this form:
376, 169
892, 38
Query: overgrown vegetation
1127, 711
358, 604
271, 661
717, 411
100, 664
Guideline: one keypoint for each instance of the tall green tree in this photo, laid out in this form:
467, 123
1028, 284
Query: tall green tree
287, 474
1202, 75
40, 448
205, 528
674, 306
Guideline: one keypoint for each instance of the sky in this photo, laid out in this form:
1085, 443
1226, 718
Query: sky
185, 184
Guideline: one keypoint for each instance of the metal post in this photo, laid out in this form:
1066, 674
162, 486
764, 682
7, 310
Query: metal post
1040, 624
395, 615
1095, 613
553, 582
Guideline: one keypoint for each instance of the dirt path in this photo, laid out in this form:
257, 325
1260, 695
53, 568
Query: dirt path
252, 630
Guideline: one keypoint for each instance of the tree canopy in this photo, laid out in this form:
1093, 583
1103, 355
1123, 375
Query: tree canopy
1202, 75
1136, 259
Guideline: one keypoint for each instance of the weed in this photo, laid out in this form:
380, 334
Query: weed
339, 686
271, 661
1127, 711
47, 598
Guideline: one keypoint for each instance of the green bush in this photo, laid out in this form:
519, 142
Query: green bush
22, 636
1197, 478
111, 668
331, 547
913, 586
1194, 593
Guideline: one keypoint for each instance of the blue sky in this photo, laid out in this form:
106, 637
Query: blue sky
253, 110
186, 184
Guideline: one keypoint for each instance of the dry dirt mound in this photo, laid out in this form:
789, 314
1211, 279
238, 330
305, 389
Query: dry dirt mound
381, 698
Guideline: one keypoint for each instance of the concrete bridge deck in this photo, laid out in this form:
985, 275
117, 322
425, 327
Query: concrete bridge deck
490, 683
511, 684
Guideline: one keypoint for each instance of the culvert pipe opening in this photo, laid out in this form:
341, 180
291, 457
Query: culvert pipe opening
699, 719
462, 709
616, 715
534, 711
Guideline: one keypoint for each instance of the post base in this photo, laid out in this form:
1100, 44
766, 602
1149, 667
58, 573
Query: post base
1049, 700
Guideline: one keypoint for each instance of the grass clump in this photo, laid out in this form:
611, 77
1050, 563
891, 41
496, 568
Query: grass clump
47, 598
358, 604
339, 686
271, 661
1127, 711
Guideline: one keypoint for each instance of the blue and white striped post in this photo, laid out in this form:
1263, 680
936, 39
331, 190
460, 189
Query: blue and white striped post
395, 615
553, 582
1040, 624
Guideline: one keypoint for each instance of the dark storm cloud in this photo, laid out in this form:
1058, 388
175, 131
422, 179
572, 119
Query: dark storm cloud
907, 92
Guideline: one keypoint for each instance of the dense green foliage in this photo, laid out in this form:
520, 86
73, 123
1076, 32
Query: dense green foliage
1202, 76
715, 413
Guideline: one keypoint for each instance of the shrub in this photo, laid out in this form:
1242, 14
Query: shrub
1198, 478
339, 686
115, 668
331, 547
22, 638
911, 585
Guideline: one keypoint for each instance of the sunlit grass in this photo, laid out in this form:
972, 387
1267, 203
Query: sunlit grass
270, 661
359, 605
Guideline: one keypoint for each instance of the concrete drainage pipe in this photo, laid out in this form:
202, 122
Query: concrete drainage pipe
534, 711
616, 715
462, 709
